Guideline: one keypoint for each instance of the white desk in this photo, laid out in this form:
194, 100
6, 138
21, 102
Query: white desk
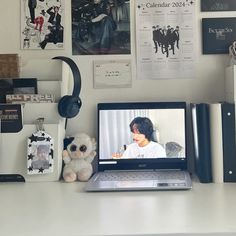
62, 209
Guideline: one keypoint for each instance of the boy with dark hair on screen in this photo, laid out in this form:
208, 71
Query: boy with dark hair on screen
143, 146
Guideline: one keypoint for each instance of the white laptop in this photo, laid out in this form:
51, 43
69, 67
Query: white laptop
141, 146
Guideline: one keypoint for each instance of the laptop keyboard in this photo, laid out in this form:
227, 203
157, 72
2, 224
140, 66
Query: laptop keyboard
141, 175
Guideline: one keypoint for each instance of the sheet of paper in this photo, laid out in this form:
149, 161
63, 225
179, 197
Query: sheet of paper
112, 73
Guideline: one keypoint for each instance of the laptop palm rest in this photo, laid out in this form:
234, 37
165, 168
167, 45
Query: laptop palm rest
98, 183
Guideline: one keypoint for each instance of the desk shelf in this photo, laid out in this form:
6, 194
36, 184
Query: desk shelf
13, 152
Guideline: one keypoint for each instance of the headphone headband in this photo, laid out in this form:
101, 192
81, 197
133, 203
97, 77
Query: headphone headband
75, 72
69, 105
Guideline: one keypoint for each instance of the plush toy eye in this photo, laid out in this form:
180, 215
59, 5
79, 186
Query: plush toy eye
73, 148
83, 148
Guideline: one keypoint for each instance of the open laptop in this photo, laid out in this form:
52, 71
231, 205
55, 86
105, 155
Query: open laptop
129, 158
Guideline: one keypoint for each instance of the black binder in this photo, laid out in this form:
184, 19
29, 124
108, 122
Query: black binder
229, 151
201, 137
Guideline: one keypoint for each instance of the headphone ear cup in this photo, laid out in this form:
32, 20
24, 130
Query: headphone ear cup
69, 106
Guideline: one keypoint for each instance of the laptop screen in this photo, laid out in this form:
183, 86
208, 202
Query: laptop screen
150, 135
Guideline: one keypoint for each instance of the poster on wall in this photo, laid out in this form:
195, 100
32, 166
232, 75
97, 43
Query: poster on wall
165, 39
42, 24
218, 34
100, 27
218, 5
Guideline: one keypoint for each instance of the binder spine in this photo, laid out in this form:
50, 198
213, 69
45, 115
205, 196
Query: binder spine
216, 142
229, 150
202, 142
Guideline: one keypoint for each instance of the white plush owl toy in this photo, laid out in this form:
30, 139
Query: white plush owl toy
78, 158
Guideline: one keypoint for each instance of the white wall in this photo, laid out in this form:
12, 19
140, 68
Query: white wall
207, 86
170, 125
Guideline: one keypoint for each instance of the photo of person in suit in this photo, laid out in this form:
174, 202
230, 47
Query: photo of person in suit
176, 36
56, 29
171, 39
154, 37
165, 42
157, 37
55, 17
167, 38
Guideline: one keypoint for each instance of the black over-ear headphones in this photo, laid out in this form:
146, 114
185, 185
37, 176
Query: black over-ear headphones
69, 105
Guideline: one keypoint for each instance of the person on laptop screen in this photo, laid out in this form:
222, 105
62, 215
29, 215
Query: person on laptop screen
143, 146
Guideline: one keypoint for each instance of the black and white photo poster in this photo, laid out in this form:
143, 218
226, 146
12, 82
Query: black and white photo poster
165, 39
100, 27
42, 24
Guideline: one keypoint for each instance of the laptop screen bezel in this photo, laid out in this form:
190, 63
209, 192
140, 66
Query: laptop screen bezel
142, 164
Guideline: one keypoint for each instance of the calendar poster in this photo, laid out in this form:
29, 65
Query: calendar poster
165, 39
